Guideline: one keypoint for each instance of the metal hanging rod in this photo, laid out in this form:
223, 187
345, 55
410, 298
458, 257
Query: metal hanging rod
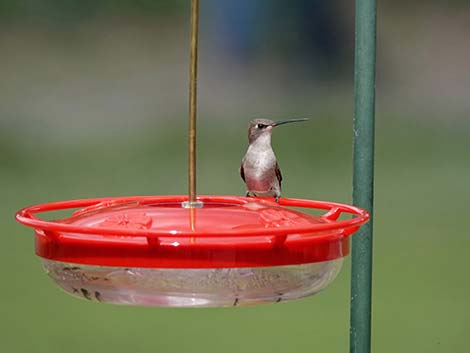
193, 102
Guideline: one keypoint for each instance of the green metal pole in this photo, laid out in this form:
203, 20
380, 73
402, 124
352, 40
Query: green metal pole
363, 178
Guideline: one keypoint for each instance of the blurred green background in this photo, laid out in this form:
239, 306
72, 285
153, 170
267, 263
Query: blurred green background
94, 103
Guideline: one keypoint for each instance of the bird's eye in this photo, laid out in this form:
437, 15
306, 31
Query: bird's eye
260, 126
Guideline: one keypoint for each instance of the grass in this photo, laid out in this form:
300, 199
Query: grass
421, 290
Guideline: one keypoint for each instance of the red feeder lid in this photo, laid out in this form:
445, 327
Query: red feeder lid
227, 231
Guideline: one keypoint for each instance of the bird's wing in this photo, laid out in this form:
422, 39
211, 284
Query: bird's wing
242, 172
278, 174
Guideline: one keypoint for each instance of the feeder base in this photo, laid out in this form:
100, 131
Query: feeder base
213, 287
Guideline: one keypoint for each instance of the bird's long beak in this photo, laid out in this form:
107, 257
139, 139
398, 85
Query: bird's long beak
277, 123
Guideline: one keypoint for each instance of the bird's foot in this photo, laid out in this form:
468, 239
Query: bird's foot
277, 199
247, 194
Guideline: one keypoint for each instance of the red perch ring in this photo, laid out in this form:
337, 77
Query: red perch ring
226, 232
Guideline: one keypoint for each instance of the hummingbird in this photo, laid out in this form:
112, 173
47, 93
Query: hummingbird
259, 169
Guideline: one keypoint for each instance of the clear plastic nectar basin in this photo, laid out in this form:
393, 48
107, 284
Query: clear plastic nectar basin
150, 250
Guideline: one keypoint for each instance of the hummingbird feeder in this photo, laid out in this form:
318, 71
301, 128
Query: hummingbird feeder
187, 251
